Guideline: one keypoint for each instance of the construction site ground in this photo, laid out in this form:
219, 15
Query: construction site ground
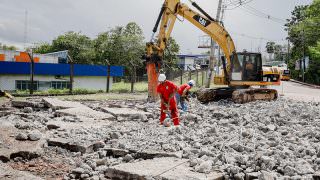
118, 136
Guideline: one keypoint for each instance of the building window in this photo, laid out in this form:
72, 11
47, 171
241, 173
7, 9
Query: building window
60, 84
25, 85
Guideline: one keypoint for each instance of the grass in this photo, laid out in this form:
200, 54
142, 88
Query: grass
57, 92
105, 96
123, 87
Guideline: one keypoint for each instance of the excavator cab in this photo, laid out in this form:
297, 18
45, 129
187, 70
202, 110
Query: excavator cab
247, 67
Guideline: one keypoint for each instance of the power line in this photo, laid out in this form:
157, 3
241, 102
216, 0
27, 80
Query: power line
238, 4
261, 14
243, 5
257, 38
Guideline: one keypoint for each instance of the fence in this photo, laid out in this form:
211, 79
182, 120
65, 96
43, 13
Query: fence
65, 84
138, 84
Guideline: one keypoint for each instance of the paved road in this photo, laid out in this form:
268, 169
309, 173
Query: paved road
298, 91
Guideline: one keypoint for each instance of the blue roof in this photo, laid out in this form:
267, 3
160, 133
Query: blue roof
59, 69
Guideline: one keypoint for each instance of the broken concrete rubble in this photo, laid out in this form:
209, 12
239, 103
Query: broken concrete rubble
165, 168
56, 104
84, 112
6, 172
256, 140
130, 114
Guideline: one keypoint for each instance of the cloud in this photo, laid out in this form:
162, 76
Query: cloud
49, 18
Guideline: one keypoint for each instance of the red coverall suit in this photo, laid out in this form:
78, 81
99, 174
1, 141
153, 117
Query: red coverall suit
166, 89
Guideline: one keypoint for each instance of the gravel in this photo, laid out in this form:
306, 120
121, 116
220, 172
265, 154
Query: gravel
263, 140
21, 137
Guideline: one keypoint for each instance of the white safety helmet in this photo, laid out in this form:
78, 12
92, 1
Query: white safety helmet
191, 83
162, 78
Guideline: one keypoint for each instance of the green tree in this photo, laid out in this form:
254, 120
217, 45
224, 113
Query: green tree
43, 48
121, 46
101, 47
304, 33
133, 45
6, 47
79, 47
170, 58
313, 73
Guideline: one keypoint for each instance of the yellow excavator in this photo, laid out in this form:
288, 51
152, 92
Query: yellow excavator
240, 70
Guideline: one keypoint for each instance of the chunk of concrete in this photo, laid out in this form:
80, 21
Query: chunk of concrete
23, 104
13, 148
127, 112
116, 152
53, 125
67, 144
156, 154
59, 104
85, 112
165, 168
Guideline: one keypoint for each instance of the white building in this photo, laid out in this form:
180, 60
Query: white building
15, 70
190, 62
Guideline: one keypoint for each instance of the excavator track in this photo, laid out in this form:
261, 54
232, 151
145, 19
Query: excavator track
248, 95
209, 95
237, 95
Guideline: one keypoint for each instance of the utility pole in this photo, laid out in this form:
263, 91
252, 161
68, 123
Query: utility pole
304, 58
288, 55
219, 50
213, 49
25, 36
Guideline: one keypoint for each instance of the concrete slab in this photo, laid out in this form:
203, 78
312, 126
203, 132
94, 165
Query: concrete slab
11, 148
85, 112
22, 104
67, 144
7, 173
59, 104
162, 168
126, 112
73, 146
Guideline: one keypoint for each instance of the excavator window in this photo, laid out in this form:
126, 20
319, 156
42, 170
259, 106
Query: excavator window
247, 67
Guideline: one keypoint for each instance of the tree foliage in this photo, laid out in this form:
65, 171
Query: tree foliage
304, 33
121, 45
6, 47
170, 58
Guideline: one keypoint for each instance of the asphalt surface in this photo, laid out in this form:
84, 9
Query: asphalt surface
298, 91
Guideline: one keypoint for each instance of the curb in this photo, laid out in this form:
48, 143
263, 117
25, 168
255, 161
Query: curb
47, 95
306, 84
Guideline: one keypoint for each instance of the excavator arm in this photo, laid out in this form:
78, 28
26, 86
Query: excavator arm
171, 10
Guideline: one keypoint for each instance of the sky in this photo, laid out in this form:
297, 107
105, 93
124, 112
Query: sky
47, 19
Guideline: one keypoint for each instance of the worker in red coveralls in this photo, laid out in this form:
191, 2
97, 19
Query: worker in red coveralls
167, 90
182, 94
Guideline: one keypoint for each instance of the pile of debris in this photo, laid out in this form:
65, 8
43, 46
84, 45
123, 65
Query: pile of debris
123, 139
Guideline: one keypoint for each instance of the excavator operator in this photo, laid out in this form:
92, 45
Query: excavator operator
249, 68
